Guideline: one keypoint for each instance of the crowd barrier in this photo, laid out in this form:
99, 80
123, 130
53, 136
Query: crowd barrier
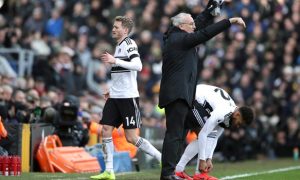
24, 141
24, 62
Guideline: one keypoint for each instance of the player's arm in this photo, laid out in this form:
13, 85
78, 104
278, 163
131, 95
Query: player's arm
202, 140
212, 140
211, 144
134, 62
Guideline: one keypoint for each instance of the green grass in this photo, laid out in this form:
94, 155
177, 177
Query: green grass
290, 175
262, 168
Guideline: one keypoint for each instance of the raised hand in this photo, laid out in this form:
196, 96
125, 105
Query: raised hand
237, 20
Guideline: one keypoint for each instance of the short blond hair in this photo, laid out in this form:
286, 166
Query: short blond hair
126, 22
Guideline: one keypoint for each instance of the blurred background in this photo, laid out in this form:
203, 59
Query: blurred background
51, 71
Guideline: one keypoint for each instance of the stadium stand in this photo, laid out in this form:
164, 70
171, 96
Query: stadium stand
259, 66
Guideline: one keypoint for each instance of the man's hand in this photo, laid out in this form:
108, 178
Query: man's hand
202, 166
209, 165
237, 20
106, 95
108, 58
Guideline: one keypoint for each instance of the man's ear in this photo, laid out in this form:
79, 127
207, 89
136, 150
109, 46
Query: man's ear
180, 26
126, 30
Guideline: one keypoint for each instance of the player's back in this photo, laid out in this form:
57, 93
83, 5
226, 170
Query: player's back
213, 96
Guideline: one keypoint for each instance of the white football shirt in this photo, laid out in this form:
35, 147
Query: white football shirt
124, 72
219, 106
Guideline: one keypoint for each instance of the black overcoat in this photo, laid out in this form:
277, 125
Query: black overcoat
180, 60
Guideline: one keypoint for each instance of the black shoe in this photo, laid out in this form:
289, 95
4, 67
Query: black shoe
171, 177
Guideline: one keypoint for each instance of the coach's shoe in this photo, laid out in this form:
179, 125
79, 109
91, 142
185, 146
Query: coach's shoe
203, 176
105, 175
183, 175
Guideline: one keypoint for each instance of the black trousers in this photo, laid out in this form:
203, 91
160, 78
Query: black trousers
174, 141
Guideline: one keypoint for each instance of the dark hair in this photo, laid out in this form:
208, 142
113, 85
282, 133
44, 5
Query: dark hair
126, 22
247, 114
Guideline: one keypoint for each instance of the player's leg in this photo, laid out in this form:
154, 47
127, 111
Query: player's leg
131, 120
109, 122
142, 144
194, 122
108, 147
190, 151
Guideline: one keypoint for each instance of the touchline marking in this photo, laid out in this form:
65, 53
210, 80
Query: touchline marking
259, 173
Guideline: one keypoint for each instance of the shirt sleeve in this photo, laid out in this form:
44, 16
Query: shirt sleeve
208, 127
134, 61
203, 19
205, 34
212, 140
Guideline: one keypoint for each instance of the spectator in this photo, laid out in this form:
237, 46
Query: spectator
35, 22
55, 24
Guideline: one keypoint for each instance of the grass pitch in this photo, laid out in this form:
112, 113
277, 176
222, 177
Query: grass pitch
282, 169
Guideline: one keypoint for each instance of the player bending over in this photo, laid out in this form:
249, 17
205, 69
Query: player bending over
213, 111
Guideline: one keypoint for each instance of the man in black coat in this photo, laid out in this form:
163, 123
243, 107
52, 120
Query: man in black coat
179, 77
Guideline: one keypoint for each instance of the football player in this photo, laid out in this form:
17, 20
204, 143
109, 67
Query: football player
214, 110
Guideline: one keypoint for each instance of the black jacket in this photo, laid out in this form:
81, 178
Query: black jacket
180, 60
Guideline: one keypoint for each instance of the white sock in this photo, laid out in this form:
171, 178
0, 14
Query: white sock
148, 148
108, 150
190, 151
197, 167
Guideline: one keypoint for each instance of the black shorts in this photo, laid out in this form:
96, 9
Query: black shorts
118, 111
196, 117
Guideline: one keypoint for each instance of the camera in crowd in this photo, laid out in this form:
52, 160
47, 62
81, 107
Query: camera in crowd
63, 116
67, 126
68, 111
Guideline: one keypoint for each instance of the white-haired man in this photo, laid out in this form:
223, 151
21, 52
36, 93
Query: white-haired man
180, 76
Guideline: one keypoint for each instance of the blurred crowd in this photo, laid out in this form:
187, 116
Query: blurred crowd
258, 66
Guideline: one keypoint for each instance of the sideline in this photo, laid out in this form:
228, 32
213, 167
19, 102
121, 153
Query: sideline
259, 173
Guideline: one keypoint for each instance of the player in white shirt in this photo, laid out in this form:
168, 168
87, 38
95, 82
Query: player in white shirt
122, 100
213, 111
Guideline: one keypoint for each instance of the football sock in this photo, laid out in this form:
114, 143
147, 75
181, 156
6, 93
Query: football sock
148, 148
190, 151
108, 150
197, 167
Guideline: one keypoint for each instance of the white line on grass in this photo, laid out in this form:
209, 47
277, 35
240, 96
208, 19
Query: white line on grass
259, 173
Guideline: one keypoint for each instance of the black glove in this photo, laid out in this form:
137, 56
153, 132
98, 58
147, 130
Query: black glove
211, 5
214, 7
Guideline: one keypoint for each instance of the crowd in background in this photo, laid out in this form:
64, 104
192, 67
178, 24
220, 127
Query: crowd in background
259, 66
